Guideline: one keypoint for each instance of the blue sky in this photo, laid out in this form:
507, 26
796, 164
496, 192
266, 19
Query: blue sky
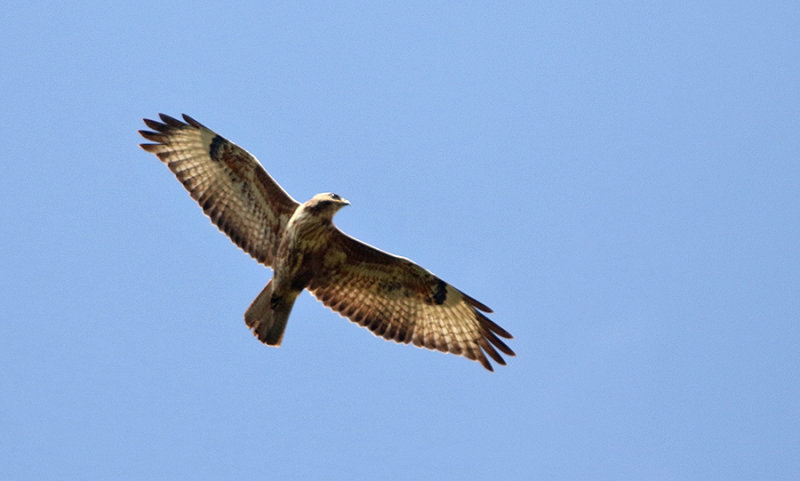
617, 180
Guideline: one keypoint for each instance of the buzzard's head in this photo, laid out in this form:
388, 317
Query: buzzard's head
325, 204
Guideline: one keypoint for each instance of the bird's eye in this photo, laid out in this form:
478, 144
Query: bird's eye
336, 197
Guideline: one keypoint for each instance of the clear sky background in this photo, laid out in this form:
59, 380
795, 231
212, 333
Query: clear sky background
617, 180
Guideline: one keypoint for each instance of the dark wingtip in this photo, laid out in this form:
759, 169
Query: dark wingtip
192, 121
493, 327
171, 121
149, 147
485, 362
154, 136
498, 343
155, 125
488, 349
477, 304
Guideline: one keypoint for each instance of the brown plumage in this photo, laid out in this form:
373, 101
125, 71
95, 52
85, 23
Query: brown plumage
390, 295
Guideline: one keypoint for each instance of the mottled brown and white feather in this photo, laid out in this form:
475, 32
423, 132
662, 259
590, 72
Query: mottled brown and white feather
231, 186
399, 300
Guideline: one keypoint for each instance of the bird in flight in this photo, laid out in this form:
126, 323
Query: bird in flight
389, 295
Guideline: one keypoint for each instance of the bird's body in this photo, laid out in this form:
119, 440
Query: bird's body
301, 256
393, 297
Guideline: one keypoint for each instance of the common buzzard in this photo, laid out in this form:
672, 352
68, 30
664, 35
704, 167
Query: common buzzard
390, 295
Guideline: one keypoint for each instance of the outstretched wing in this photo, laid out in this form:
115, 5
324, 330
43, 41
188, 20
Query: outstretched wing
233, 189
400, 301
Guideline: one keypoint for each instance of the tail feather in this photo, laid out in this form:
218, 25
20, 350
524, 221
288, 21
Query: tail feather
267, 317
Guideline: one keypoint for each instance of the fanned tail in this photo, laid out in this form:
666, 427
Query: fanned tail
267, 316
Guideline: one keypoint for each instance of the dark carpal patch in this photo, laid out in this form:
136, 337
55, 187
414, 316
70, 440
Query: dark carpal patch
440, 293
215, 149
